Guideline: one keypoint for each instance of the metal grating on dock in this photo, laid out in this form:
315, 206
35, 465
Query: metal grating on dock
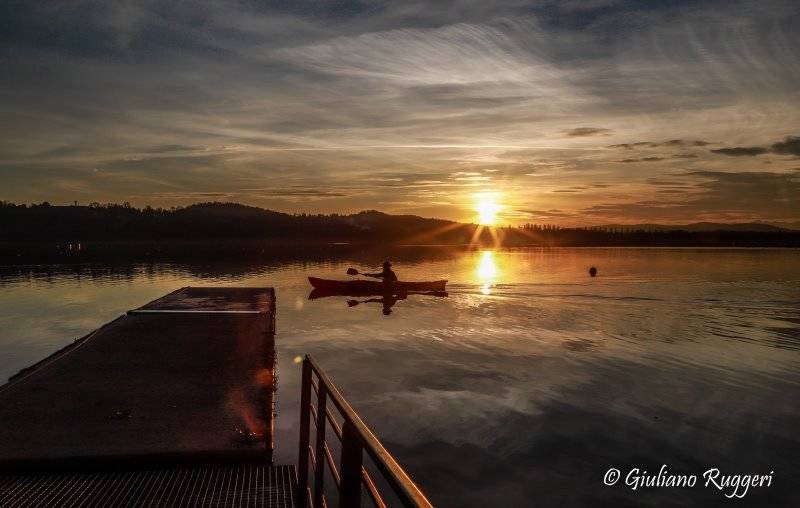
240, 486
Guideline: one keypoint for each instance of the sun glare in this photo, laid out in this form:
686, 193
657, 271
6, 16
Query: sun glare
487, 208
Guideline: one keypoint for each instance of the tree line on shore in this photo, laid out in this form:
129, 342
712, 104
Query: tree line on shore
228, 221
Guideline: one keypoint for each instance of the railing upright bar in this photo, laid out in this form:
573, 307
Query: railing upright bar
350, 470
334, 424
332, 465
372, 490
305, 417
319, 471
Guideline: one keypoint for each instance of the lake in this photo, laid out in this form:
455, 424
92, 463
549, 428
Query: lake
528, 381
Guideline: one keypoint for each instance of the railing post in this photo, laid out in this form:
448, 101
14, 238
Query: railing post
305, 422
352, 454
319, 452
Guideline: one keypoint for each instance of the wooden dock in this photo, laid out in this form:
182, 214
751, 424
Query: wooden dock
181, 387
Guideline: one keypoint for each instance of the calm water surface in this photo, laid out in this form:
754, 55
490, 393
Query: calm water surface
530, 380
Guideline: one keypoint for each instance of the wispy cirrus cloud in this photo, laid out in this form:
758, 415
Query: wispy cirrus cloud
459, 54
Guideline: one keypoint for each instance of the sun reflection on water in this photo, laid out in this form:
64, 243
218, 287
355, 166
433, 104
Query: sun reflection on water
487, 271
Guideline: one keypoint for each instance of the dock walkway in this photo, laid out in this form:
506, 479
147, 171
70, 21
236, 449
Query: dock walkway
184, 382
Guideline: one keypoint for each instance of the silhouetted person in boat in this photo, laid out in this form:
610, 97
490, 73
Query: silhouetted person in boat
387, 274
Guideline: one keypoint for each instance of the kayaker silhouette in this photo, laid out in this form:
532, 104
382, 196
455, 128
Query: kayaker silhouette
390, 290
387, 274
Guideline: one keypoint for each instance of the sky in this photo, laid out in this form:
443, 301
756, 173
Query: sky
563, 112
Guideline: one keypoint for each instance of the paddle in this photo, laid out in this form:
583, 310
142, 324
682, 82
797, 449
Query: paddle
353, 271
353, 303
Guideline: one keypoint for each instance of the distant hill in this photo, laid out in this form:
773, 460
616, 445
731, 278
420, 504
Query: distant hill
405, 226
208, 221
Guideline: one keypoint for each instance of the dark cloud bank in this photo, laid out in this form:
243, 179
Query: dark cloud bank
789, 146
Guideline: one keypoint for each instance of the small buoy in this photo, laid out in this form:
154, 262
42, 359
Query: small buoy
592, 271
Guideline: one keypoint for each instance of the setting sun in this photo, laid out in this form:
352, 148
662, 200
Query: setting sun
487, 208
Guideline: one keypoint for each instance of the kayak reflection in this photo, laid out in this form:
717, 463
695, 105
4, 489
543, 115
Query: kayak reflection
387, 299
373, 287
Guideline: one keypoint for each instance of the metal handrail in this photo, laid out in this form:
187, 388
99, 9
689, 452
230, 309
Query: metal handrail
356, 438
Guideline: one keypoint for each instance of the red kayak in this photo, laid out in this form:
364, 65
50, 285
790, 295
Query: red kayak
376, 287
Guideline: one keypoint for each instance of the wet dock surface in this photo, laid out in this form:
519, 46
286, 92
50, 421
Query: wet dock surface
188, 376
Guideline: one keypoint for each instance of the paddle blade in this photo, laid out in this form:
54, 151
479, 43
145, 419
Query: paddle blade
352, 271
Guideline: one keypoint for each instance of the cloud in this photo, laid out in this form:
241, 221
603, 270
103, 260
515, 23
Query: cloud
191, 195
644, 159
653, 144
629, 146
587, 131
771, 193
460, 53
666, 182
681, 142
789, 146
712, 195
741, 151
545, 214
172, 148
297, 193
